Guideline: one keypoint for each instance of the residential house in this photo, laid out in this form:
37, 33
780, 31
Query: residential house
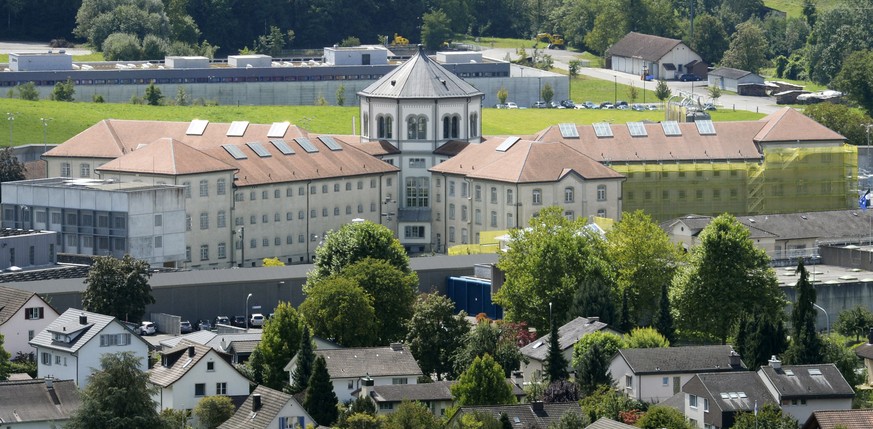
712, 400
436, 396
535, 415
655, 374
190, 372
71, 346
607, 423
38, 404
660, 57
22, 315
834, 419
266, 408
865, 352
802, 389
385, 365
729, 78
568, 335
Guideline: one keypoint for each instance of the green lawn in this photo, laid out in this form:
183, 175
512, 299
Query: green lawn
794, 8
4, 58
495, 42
584, 88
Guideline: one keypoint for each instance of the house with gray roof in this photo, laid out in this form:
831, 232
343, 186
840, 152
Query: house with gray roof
436, 396
714, 399
655, 374
70, 347
865, 352
802, 389
42, 403
535, 415
833, 419
607, 423
190, 372
731, 79
660, 57
568, 335
268, 408
22, 315
385, 365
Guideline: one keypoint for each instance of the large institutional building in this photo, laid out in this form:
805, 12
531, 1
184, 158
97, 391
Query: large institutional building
421, 167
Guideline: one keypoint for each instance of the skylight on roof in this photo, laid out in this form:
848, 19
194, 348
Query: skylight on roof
258, 149
814, 371
569, 131
237, 128
538, 344
278, 129
671, 128
306, 144
637, 129
511, 140
330, 143
725, 396
742, 394
234, 151
733, 395
197, 127
789, 372
705, 127
282, 146
602, 129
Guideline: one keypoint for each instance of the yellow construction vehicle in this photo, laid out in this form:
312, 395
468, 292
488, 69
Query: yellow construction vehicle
400, 40
554, 41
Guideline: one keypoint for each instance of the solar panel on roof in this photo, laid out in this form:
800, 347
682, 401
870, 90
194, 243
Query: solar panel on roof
602, 129
568, 131
234, 151
671, 128
258, 149
306, 144
637, 129
705, 127
237, 128
282, 146
511, 140
278, 129
197, 127
330, 143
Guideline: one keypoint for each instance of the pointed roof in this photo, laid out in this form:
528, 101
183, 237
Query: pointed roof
11, 300
646, 46
789, 125
168, 156
83, 144
420, 77
568, 335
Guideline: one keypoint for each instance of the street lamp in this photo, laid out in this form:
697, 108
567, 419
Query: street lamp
827, 318
615, 91
11, 118
45, 122
247, 312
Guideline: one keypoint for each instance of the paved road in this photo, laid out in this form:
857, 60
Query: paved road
32, 47
562, 58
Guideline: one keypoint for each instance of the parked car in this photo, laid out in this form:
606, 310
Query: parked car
185, 327
568, 104
689, 77
204, 325
540, 105
239, 321
607, 105
147, 328
709, 106
590, 105
222, 320
500, 106
638, 107
257, 320
623, 107
511, 105
620, 103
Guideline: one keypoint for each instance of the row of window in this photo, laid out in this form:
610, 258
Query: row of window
205, 254
84, 218
46, 359
220, 188
668, 174
301, 190
107, 340
682, 194
536, 194
200, 389
207, 79
67, 170
31, 257
416, 126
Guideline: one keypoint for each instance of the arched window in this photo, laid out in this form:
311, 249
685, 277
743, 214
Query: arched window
416, 127
389, 127
456, 125
384, 126
601, 193
568, 195
446, 127
474, 125
537, 197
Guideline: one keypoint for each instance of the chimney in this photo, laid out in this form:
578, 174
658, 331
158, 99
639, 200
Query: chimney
397, 347
774, 363
735, 359
366, 386
518, 377
256, 402
83, 319
593, 319
190, 351
870, 336
537, 407
49, 382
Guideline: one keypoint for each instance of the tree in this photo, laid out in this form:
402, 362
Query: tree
556, 363
605, 401
4, 361
352, 243
153, 94
502, 94
809, 12
714, 93
118, 396
340, 309
362, 421
662, 91
547, 93
182, 100
412, 415
483, 384
561, 391
835, 351
805, 345
633, 93
748, 48
321, 401
837, 33
842, 119
645, 338
592, 368
854, 322
273, 262
769, 416
118, 288
435, 334
341, 95
97, 19
27, 91
644, 261
305, 359
358, 407
280, 341
571, 420
551, 261
273, 42
350, 42
855, 81
154, 48
11, 169
728, 272
624, 323
176, 418
64, 91
393, 294
214, 410
663, 417
710, 39
435, 29
499, 339
664, 318
122, 47
759, 337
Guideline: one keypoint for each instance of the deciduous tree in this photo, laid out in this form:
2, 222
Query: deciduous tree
435, 29
11, 169
393, 293
280, 341
340, 309
118, 288
645, 338
412, 415
321, 401
561, 391
843, 119
855, 79
435, 334
4, 361
710, 40
483, 383
571, 420
214, 410
271, 262
352, 243
499, 339
662, 417
854, 322
769, 416
64, 91
748, 48
662, 91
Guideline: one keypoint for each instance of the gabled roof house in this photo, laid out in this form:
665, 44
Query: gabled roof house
41, 403
22, 315
266, 408
660, 57
568, 335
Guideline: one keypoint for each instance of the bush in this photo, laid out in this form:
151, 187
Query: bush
154, 48
26, 91
97, 98
122, 47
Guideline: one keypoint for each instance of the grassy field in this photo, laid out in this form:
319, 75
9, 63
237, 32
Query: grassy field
794, 8
584, 88
4, 58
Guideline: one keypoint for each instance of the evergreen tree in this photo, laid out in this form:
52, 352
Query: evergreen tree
305, 359
806, 347
593, 369
556, 363
759, 337
504, 421
320, 400
153, 94
624, 323
4, 361
664, 318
